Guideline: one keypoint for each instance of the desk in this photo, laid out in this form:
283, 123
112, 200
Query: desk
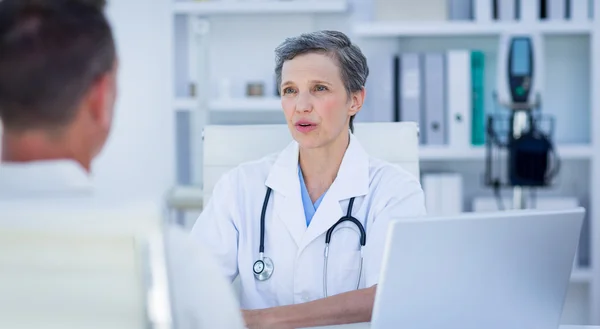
366, 326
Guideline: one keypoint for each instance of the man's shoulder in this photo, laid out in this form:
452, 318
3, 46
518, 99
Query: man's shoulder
201, 293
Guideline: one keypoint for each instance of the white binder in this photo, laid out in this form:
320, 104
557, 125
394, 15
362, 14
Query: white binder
557, 9
410, 86
459, 97
507, 10
443, 193
482, 10
529, 10
580, 10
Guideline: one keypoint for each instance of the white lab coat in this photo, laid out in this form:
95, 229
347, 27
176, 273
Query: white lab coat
192, 271
230, 225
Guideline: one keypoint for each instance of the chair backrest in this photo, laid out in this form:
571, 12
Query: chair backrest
225, 147
79, 268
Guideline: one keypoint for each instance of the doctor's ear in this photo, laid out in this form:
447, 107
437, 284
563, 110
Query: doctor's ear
357, 99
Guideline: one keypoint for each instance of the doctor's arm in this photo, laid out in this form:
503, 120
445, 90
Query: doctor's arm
354, 306
350, 307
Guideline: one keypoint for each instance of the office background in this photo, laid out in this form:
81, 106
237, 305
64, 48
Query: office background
185, 64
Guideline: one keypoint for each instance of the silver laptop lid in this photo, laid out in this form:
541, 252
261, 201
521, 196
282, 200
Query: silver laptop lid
478, 270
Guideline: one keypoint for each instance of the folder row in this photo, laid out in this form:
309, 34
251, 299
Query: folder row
442, 91
481, 10
535, 10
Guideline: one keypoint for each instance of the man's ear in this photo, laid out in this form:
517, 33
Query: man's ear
357, 100
100, 100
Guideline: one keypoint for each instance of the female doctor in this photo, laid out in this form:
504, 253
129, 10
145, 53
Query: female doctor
269, 221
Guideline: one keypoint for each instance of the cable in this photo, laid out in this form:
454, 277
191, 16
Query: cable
553, 173
499, 200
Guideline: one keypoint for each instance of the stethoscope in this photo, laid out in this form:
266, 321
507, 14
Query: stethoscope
263, 268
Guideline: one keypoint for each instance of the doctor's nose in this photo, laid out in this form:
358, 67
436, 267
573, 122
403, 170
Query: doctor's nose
303, 102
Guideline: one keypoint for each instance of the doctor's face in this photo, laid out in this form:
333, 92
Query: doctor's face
314, 100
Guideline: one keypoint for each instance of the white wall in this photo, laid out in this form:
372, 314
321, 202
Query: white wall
138, 161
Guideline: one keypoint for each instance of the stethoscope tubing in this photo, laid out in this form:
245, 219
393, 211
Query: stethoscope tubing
363, 240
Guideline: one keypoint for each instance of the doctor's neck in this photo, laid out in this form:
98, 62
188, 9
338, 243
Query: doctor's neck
320, 166
42, 145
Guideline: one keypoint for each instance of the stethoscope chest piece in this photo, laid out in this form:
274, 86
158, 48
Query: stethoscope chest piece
263, 268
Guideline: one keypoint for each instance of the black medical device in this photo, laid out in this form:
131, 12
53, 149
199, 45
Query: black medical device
263, 267
515, 129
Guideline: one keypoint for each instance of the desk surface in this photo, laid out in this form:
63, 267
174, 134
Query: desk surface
366, 326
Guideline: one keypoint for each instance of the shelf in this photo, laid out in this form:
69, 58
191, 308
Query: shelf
259, 104
185, 104
185, 198
247, 104
441, 153
457, 29
233, 7
582, 276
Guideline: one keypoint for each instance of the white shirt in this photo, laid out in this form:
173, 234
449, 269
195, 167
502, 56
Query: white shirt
201, 297
230, 225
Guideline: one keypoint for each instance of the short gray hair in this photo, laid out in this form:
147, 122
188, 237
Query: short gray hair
351, 61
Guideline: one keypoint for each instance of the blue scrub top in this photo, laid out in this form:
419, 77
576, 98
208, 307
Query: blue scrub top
309, 207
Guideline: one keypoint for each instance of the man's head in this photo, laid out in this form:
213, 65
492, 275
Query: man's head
57, 70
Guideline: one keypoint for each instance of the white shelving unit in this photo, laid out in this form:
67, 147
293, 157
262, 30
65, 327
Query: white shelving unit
259, 104
443, 153
462, 29
213, 8
247, 104
185, 104
242, 35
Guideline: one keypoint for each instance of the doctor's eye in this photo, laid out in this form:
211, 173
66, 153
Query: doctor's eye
288, 90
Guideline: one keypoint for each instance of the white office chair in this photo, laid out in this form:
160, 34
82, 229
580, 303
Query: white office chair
225, 147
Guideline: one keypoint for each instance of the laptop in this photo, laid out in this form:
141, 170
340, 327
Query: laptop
497, 270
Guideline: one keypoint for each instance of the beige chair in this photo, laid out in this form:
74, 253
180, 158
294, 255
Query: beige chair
225, 147
75, 269
106, 268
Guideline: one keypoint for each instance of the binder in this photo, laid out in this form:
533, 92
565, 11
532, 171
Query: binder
443, 193
506, 10
530, 10
557, 9
379, 104
580, 10
478, 100
396, 99
460, 10
482, 9
434, 128
410, 89
432, 189
452, 193
459, 90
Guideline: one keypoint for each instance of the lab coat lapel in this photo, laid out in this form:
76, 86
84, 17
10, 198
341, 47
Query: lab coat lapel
287, 201
352, 181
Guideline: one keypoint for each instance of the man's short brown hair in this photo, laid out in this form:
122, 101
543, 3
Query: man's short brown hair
51, 52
